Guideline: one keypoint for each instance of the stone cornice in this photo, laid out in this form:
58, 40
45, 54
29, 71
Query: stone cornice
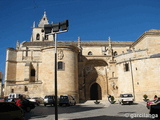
75, 43
71, 47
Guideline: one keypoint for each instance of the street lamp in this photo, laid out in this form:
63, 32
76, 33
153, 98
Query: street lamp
54, 29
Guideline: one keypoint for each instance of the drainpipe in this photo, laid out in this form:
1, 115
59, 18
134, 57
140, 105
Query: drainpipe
132, 79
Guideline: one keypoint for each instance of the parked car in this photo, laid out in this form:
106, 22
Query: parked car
27, 105
10, 111
126, 99
12, 97
2, 99
155, 109
66, 100
37, 100
49, 100
152, 102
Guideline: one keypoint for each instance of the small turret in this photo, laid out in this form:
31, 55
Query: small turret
110, 46
43, 21
17, 45
79, 44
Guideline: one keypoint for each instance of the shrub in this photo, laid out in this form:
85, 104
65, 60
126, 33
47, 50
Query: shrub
112, 98
145, 96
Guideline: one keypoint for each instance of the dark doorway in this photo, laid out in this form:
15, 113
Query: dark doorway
95, 92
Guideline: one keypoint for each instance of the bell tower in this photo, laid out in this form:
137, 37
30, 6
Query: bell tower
38, 31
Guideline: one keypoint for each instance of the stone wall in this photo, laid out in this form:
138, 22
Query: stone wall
142, 76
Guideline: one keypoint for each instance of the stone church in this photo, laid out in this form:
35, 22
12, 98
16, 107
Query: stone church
87, 70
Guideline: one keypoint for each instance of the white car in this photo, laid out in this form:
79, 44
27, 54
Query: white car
37, 100
12, 97
49, 100
66, 100
126, 99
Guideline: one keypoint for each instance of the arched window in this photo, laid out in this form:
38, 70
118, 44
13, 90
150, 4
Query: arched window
126, 67
38, 36
89, 53
33, 72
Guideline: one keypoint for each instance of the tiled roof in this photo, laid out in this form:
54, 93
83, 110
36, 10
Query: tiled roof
102, 43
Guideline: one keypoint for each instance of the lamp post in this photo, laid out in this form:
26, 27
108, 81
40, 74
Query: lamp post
54, 29
132, 78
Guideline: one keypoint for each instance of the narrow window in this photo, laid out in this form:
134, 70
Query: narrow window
12, 90
126, 67
60, 65
113, 74
38, 36
25, 88
33, 72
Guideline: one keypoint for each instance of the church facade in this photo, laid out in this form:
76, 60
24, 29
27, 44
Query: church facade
87, 70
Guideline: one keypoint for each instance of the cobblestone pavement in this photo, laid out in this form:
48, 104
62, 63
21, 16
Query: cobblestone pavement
91, 111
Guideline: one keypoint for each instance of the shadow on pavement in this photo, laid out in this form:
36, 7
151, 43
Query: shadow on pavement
41, 111
111, 118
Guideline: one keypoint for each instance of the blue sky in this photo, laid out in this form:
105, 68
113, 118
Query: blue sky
122, 20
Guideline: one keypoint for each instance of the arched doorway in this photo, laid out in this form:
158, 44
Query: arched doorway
95, 92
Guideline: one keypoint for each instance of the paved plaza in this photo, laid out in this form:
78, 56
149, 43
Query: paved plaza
91, 111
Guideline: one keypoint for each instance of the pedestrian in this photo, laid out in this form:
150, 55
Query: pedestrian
155, 97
